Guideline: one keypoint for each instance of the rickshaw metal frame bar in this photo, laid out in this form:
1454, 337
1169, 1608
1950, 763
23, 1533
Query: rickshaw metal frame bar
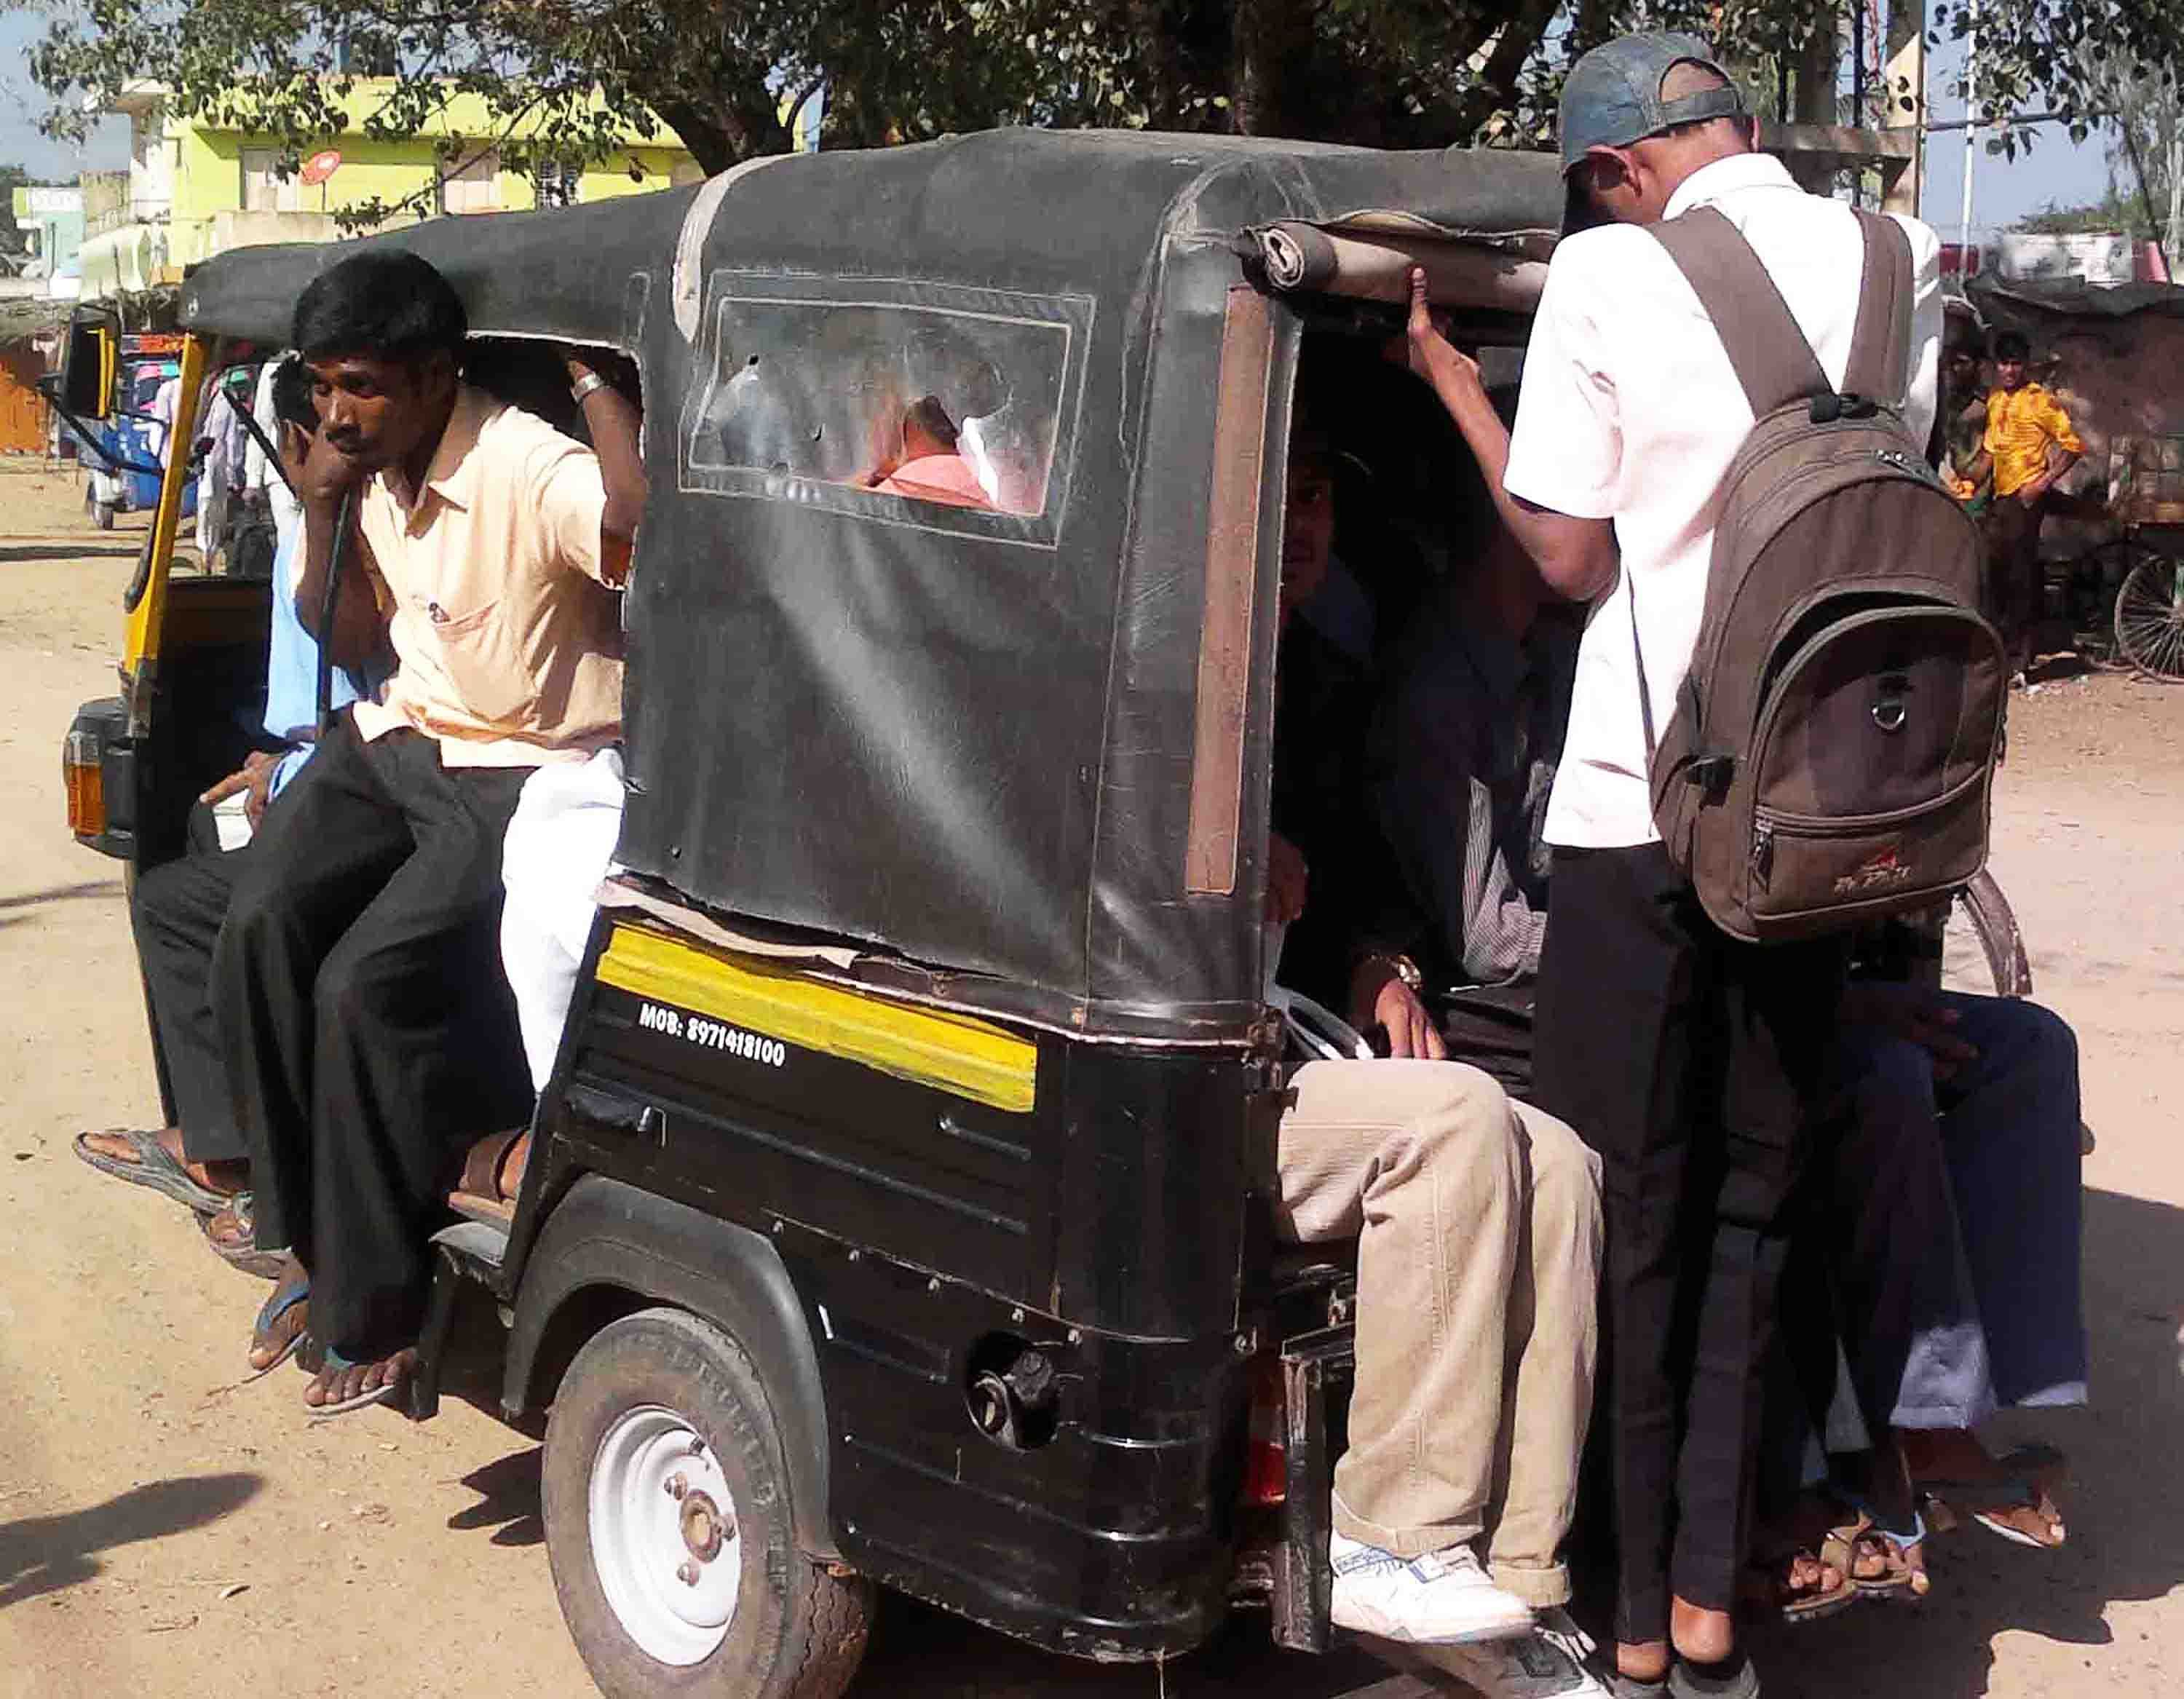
141, 649
1304, 1580
1232, 563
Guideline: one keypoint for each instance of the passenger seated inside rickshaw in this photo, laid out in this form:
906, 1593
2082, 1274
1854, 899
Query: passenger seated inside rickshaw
927, 465
1477, 1218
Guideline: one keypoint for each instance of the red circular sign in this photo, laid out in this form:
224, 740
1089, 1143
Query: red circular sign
321, 166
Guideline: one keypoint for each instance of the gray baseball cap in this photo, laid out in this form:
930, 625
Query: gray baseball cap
1613, 95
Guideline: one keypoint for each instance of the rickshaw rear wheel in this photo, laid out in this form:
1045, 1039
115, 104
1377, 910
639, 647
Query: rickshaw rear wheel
669, 1525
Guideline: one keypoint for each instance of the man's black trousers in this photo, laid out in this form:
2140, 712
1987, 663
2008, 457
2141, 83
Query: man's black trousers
177, 909
369, 1032
1696, 1067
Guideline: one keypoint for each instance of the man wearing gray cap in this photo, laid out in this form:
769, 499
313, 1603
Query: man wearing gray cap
1690, 1062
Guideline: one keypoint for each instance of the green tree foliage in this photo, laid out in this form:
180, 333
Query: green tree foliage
1397, 73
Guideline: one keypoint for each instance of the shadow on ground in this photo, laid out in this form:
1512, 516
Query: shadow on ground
917, 1650
507, 1500
14, 910
62, 893
70, 548
42, 1554
2125, 1505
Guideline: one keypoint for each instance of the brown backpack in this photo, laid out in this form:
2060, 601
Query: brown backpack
1831, 752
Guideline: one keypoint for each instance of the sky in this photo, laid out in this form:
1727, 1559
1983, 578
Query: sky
2003, 190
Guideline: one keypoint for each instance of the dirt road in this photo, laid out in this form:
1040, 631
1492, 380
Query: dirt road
167, 1529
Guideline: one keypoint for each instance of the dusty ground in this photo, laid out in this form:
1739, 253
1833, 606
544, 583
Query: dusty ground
166, 1530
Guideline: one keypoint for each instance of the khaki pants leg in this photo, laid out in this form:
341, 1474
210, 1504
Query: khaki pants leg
1423, 1161
1553, 1334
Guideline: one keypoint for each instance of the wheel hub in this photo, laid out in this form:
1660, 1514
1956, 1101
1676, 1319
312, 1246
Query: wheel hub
666, 1545
704, 1530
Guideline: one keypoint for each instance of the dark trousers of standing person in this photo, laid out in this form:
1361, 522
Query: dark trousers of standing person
369, 1031
176, 911
1696, 1067
2016, 590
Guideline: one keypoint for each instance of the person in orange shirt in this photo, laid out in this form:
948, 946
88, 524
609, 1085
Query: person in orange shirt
2029, 444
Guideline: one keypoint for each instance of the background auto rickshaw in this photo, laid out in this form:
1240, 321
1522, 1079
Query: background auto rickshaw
122, 456
891, 1218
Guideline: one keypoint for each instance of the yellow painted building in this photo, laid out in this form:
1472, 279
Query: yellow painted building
195, 188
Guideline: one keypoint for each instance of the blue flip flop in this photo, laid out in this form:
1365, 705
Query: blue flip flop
284, 1299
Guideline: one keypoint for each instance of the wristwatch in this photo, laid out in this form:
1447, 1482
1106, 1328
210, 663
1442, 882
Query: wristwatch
1402, 967
584, 385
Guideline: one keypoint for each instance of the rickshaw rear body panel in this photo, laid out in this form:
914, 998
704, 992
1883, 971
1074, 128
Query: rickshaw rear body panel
924, 1233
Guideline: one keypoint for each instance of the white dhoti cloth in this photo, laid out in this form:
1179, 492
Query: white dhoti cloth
560, 843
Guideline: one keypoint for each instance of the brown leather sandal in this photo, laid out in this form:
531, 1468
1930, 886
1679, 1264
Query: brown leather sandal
492, 1175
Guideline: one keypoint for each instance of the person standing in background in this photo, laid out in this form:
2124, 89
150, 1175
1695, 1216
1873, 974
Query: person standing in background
2029, 444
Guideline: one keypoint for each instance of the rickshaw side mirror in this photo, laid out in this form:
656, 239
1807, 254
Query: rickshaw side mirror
89, 359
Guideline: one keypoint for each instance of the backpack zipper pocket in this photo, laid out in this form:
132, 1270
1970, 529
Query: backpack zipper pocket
1766, 822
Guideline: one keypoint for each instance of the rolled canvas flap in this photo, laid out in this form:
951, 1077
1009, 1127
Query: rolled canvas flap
1376, 266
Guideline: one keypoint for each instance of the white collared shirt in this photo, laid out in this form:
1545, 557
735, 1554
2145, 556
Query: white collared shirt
1629, 411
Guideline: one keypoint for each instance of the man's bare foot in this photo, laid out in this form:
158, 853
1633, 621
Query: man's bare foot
1644, 1660
344, 1385
226, 1178
1700, 1635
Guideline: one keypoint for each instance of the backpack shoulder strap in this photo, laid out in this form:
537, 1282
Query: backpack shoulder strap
1768, 352
1880, 341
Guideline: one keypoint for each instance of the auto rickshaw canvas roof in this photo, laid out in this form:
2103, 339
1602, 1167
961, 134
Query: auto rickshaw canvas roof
541, 274
963, 745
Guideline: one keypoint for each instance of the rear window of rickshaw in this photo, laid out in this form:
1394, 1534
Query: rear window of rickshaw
912, 404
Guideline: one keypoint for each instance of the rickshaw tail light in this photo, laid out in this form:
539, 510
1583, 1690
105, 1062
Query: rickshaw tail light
85, 784
1266, 1456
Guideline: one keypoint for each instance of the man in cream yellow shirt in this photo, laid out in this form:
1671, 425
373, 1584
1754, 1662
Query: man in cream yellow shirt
2030, 444
357, 982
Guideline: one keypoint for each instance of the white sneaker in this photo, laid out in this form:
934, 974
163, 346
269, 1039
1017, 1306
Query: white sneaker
1547, 1664
1442, 1599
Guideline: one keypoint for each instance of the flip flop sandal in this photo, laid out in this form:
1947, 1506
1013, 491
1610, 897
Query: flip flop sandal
1902, 1581
153, 1168
478, 1195
1631, 1687
283, 1299
243, 1253
1688, 1681
2024, 1484
388, 1394
1838, 1550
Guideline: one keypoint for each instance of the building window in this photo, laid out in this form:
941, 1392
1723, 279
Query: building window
472, 184
556, 181
263, 188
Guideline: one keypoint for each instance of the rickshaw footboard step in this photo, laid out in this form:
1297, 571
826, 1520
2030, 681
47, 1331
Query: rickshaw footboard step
475, 1246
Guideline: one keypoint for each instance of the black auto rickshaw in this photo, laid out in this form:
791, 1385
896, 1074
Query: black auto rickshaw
889, 1220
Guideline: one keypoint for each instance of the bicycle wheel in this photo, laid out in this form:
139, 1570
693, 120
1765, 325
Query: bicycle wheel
2149, 617
1994, 923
